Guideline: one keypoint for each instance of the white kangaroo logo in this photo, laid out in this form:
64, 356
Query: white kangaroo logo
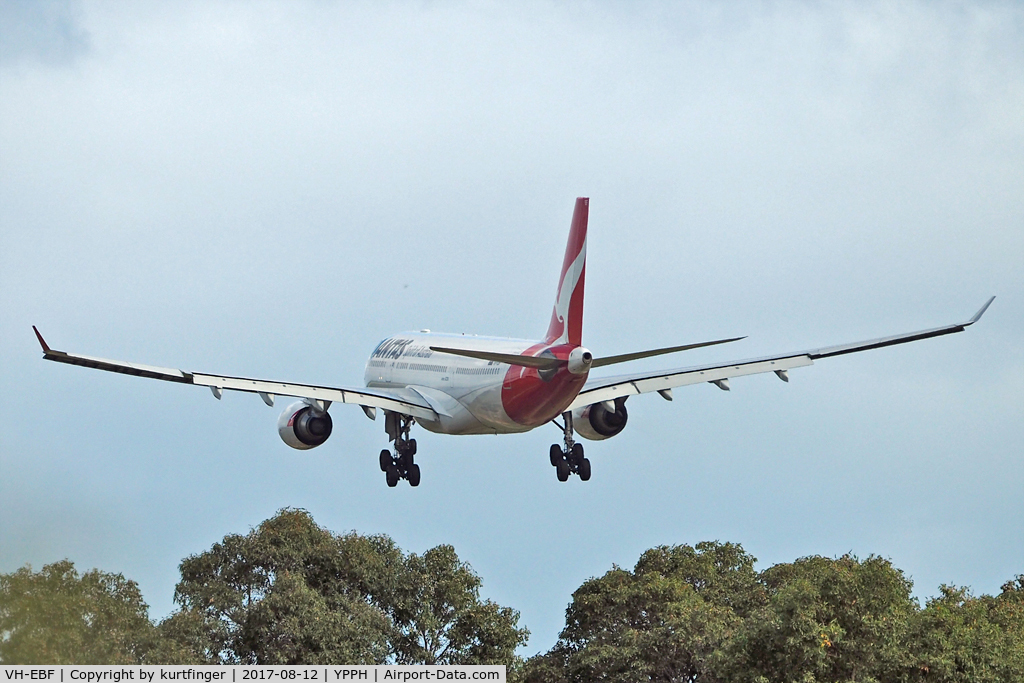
569, 282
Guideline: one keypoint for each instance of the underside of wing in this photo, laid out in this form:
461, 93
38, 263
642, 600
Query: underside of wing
599, 389
395, 400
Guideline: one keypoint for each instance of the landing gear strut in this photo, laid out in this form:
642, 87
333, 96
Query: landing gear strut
569, 459
400, 465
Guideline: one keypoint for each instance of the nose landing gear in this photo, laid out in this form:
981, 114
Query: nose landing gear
400, 465
570, 459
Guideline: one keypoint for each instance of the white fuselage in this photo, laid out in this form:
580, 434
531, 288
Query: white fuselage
466, 393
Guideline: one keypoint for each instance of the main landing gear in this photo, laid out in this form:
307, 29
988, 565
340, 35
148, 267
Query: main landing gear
570, 459
400, 465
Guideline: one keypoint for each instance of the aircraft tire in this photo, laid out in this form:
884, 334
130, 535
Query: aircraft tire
405, 462
411, 448
584, 469
385, 460
556, 455
576, 455
414, 475
393, 476
563, 471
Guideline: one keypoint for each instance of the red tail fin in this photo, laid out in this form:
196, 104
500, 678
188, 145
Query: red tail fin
567, 317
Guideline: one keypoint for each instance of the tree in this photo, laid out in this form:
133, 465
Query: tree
55, 616
825, 620
703, 614
291, 592
958, 637
664, 621
440, 619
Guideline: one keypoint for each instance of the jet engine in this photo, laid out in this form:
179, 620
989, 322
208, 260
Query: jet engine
600, 420
304, 426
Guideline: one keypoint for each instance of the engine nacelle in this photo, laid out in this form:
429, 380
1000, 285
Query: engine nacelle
303, 426
596, 422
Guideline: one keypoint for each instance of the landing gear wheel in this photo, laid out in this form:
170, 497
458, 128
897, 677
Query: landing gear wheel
583, 469
569, 459
576, 454
398, 463
556, 455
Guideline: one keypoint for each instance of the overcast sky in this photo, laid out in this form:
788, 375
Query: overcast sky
269, 189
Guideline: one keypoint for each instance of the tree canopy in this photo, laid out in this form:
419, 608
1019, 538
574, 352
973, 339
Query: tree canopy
703, 614
292, 592
56, 616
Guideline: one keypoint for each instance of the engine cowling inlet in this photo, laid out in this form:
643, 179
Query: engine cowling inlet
596, 422
303, 426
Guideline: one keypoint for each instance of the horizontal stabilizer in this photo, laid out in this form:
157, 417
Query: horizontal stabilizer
540, 363
612, 360
549, 363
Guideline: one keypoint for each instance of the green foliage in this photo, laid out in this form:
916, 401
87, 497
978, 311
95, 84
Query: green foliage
56, 616
291, 592
958, 637
667, 620
440, 619
826, 620
703, 614
287, 592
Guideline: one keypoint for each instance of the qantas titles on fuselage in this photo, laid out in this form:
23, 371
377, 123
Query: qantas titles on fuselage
478, 396
458, 384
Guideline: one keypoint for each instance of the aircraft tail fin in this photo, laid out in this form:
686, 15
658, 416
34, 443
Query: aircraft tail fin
567, 317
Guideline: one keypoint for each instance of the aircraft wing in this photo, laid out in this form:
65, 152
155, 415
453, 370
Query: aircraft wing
398, 400
600, 389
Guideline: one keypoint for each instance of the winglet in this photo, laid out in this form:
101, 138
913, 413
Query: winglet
976, 318
46, 349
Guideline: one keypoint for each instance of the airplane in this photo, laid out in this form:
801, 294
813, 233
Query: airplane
458, 384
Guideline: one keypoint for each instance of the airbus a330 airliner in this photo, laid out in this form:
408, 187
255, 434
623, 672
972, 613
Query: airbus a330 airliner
457, 384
